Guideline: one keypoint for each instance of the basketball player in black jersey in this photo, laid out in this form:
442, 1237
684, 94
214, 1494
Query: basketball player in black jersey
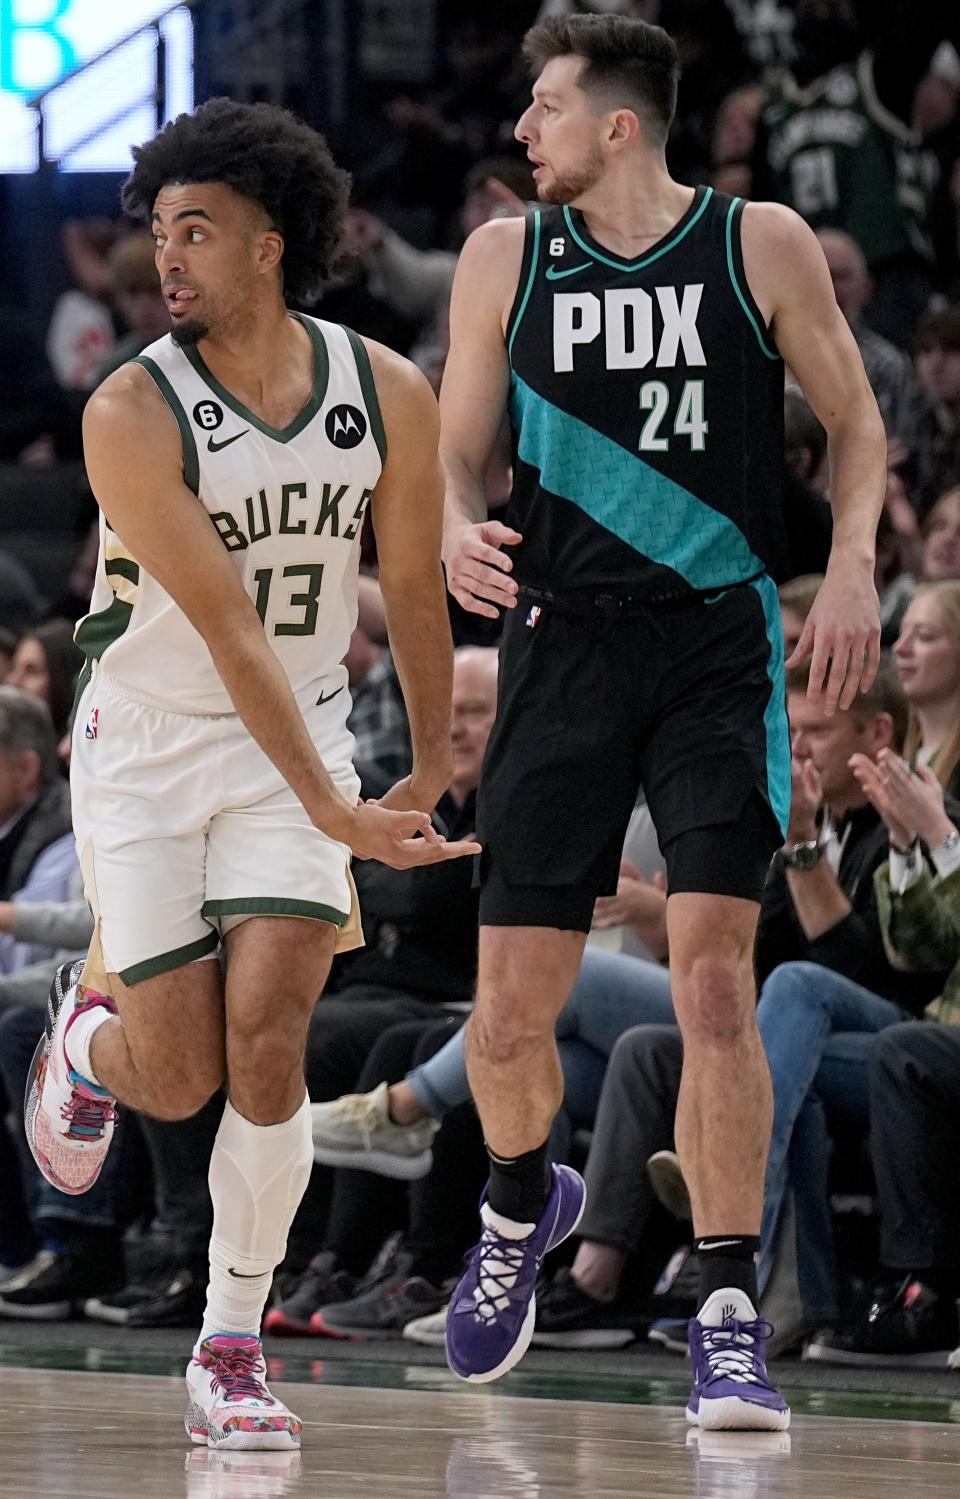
637, 331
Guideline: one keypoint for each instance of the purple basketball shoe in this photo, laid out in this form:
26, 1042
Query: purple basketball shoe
731, 1391
492, 1311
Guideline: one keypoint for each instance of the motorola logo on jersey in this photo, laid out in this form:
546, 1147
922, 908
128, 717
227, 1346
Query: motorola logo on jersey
637, 330
346, 426
208, 415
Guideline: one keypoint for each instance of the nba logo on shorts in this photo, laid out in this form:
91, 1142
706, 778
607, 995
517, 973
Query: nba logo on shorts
533, 618
93, 724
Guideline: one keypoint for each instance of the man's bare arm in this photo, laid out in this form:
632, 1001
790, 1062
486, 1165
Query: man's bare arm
473, 399
788, 276
128, 429
408, 520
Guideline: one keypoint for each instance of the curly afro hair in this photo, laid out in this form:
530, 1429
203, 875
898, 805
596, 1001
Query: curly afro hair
267, 155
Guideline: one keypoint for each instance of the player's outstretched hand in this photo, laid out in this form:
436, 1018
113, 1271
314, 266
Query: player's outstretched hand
841, 637
403, 840
477, 570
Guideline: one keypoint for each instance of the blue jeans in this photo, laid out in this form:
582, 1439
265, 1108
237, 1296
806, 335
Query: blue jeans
613, 992
817, 1028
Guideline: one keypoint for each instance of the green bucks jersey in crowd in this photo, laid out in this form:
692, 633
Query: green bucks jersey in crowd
843, 161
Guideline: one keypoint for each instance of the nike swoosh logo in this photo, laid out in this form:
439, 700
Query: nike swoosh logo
325, 697
214, 447
237, 1276
553, 274
704, 1248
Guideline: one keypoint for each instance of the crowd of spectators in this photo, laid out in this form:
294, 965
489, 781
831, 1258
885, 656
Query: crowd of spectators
816, 103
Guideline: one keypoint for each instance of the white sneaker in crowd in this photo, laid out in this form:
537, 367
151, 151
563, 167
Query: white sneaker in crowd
431, 1331
357, 1131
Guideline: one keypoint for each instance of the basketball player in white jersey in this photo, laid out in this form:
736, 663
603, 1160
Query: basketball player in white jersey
214, 798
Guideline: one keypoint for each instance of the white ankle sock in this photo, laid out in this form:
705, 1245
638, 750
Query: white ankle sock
258, 1174
82, 1032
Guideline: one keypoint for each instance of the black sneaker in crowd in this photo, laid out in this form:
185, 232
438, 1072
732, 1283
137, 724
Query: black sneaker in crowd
568, 1318
908, 1325
383, 1309
172, 1297
319, 1283
56, 1283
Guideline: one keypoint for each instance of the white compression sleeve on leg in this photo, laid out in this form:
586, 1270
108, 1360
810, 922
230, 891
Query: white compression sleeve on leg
258, 1174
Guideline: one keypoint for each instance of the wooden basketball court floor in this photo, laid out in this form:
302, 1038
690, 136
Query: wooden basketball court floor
74, 1434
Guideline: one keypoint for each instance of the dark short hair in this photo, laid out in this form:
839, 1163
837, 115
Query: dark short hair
267, 156
629, 64
940, 330
885, 696
25, 724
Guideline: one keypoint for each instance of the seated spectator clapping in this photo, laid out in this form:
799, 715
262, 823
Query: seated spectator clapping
914, 1086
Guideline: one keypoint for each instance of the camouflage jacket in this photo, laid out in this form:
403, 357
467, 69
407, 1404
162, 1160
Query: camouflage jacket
921, 932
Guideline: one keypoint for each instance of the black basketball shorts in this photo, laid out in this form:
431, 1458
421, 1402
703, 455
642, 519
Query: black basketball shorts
603, 697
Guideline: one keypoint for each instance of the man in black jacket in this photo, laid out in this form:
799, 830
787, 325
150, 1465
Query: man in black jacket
827, 985
819, 905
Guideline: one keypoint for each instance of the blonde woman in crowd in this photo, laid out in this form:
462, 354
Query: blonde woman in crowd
927, 651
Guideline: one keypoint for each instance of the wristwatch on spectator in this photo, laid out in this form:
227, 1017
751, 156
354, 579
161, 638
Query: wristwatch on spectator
805, 855
947, 845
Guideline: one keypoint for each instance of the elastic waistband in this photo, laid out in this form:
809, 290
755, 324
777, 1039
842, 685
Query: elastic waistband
305, 696
113, 685
588, 601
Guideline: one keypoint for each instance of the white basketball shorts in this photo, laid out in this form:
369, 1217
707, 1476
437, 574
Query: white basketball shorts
184, 827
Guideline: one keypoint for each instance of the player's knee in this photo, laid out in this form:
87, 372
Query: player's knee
263, 1053
717, 1006
173, 1108
501, 1033
183, 1093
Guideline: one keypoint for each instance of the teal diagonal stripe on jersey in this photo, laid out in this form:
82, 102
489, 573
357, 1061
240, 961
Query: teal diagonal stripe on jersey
624, 494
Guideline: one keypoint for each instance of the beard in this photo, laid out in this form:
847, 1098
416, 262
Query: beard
567, 187
188, 333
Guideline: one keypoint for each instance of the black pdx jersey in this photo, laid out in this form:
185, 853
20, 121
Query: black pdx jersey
647, 404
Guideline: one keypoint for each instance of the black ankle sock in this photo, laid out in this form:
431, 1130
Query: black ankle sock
519, 1188
728, 1260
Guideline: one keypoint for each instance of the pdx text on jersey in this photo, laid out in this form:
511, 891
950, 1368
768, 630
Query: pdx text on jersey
638, 329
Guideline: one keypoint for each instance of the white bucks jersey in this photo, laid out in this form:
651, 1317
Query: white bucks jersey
288, 506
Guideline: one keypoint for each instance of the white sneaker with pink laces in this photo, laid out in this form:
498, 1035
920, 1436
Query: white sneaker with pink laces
228, 1403
69, 1121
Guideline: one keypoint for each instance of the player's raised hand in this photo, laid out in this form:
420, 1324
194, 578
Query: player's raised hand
478, 571
403, 840
841, 637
